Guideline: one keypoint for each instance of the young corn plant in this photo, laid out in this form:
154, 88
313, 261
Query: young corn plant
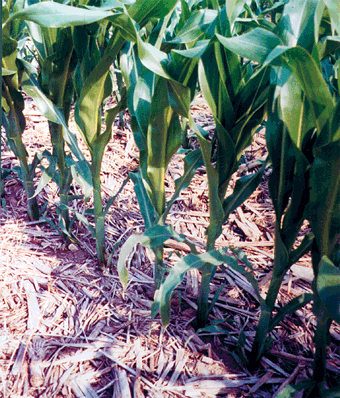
52, 90
92, 79
57, 61
303, 143
237, 96
154, 111
223, 80
13, 105
93, 91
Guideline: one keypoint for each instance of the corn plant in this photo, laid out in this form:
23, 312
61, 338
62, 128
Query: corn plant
237, 97
13, 105
303, 143
57, 112
155, 111
57, 61
91, 79
227, 82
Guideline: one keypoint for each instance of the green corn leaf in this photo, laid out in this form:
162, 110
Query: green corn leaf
53, 113
293, 305
328, 287
111, 4
282, 156
253, 95
195, 52
125, 25
324, 200
329, 46
244, 187
87, 114
103, 139
296, 26
331, 130
255, 45
146, 208
44, 39
174, 138
178, 68
142, 97
213, 330
234, 9
159, 133
56, 15
153, 59
295, 110
176, 276
196, 26
295, 212
179, 98
132, 72
334, 13
185, 14
219, 86
216, 210
310, 79
152, 237
143, 10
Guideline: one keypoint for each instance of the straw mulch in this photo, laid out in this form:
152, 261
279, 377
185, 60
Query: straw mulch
68, 331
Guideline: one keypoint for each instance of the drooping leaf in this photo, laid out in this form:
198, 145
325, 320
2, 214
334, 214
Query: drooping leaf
56, 15
196, 26
255, 45
176, 275
152, 237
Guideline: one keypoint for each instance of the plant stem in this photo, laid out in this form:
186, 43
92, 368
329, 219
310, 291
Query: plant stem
208, 271
14, 136
99, 219
32, 205
320, 356
56, 132
280, 268
158, 266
